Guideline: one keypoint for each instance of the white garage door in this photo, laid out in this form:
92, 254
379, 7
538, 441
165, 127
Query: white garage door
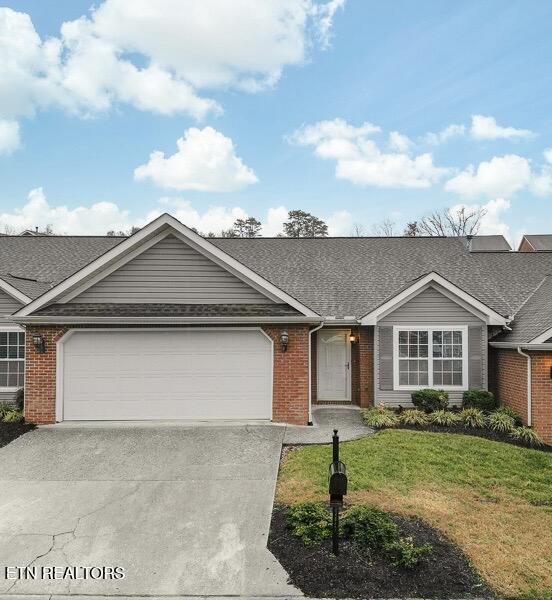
160, 374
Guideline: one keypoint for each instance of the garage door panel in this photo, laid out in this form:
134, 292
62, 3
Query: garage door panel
177, 374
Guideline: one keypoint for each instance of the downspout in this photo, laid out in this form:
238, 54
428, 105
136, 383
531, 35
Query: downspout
529, 402
310, 368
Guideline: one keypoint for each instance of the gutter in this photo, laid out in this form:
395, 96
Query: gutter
45, 320
529, 402
514, 346
320, 325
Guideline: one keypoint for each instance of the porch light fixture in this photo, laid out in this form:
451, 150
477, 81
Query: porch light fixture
284, 339
352, 338
38, 343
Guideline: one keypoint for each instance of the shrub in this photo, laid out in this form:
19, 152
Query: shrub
413, 417
369, 527
380, 417
527, 436
506, 410
4, 409
406, 554
310, 522
444, 418
430, 400
481, 399
472, 417
500, 421
13, 416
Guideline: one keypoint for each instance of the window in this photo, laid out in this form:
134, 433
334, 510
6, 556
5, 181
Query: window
12, 359
430, 357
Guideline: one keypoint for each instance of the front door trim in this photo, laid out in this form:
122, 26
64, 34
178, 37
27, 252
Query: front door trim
319, 368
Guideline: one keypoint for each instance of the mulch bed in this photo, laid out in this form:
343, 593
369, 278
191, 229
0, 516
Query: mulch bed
488, 434
357, 573
11, 431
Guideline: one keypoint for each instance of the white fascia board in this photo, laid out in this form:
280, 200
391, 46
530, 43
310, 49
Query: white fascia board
68, 320
163, 222
523, 346
14, 292
545, 335
491, 317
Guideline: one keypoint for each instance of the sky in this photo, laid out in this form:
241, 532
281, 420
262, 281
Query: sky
356, 111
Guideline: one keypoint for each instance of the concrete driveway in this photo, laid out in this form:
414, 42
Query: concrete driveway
185, 510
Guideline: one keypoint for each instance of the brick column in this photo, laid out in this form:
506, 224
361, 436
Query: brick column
366, 361
290, 392
40, 375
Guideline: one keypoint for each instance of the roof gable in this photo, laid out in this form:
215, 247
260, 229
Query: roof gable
169, 272
141, 241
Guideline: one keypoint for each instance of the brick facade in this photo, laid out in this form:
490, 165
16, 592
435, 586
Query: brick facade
509, 383
290, 385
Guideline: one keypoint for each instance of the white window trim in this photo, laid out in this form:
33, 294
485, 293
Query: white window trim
8, 329
430, 329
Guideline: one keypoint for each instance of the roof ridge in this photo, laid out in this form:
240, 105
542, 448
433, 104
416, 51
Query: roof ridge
532, 294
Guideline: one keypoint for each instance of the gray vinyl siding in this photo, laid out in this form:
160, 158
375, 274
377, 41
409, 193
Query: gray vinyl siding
429, 307
171, 271
8, 304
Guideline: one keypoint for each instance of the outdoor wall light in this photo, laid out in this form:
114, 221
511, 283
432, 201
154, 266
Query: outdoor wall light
38, 343
284, 339
352, 338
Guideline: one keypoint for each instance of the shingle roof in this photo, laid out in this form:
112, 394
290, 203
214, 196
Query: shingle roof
341, 277
541, 243
489, 243
168, 310
533, 318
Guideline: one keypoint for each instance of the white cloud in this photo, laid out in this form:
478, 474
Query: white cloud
399, 142
155, 56
359, 159
205, 161
446, 134
9, 136
548, 155
273, 223
486, 128
96, 219
340, 223
502, 176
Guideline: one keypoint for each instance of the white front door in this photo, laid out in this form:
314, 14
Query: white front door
334, 365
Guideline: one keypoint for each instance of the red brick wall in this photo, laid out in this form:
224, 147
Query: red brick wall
291, 375
542, 394
40, 375
526, 246
290, 386
366, 361
510, 387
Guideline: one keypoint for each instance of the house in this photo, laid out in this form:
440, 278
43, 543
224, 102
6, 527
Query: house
166, 324
536, 243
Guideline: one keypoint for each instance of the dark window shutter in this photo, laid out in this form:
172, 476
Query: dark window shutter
474, 357
385, 351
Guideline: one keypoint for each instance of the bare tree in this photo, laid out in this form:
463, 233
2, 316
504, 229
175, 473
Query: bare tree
385, 228
448, 223
358, 230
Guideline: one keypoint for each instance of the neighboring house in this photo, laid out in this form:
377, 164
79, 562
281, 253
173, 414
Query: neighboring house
168, 325
536, 243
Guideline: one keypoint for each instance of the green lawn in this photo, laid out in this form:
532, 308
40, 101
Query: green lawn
491, 498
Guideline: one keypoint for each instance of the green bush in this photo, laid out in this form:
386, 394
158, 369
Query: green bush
310, 522
405, 554
413, 417
473, 417
380, 417
430, 400
527, 436
445, 418
4, 409
506, 410
481, 399
13, 416
369, 527
500, 421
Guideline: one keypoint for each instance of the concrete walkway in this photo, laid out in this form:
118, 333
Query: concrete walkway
185, 510
346, 419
